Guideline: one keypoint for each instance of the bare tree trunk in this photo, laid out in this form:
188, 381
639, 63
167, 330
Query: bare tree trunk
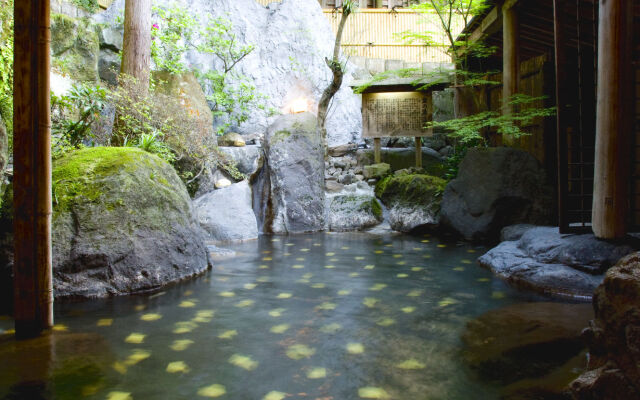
338, 74
136, 52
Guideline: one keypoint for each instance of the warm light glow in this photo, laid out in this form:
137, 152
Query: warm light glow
299, 105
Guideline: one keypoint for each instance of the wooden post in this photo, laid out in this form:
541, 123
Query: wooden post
614, 124
510, 58
376, 150
33, 292
418, 152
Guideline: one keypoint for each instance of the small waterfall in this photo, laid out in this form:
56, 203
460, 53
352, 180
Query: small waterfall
261, 201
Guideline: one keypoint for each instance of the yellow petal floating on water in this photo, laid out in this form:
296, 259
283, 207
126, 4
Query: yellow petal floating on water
386, 321
184, 327
105, 322
230, 334
466, 262
263, 267
317, 373
417, 269
411, 364
187, 304
354, 274
135, 338
275, 240
459, 269
120, 367
137, 356
388, 245
60, 328
244, 303
188, 293
369, 266
290, 244
426, 256
369, 302
329, 266
327, 306
442, 246
300, 259
150, 317
318, 286
355, 348
497, 295
471, 251
359, 258
425, 241
205, 313
212, 391
447, 301
345, 247
177, 367
330, 254
282, 328
223, 279
343, 292
140, 307
415, 293
227, 294
417, 248
317, 244
243, 362
331, 328
298, 266
408, 310
402, 275
276, 312
397, 256
484, 280
283, 295
378, 251
267, 258
378, 287
373, 393
304, 250
119, 396
401, 263
308, 275
180, 345
300, 351
274, 395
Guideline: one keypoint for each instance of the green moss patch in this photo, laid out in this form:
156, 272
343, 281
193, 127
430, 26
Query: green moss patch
410, 189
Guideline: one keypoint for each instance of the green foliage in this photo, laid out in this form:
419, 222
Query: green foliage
73, 114
469, 130
172, 37
89, 5
152, 143
6, 65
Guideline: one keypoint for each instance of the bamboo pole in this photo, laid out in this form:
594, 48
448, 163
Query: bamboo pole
510, 59
614, 124
33, 292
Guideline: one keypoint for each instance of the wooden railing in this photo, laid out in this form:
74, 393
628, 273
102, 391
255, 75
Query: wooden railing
374, 33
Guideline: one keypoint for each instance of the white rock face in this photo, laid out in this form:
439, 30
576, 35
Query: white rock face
291, 40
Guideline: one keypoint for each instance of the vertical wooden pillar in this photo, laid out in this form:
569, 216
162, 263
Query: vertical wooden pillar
33, 293
376, 150
418, 152
510, 55
614, 124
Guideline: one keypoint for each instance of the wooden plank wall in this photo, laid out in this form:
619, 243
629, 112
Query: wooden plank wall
536, 80
373, 33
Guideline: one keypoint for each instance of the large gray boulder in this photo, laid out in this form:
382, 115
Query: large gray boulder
413, 201
248, 159
292, 38
354, 213
543, 260
613, 337
496, 187
122, 223
227, 214
293, 179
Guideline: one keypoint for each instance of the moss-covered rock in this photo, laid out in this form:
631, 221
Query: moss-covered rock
413, 200
376, 171
354, 213
401, 158
75, 46
122, 223
231, 139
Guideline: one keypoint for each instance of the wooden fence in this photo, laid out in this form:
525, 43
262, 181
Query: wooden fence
375, 33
